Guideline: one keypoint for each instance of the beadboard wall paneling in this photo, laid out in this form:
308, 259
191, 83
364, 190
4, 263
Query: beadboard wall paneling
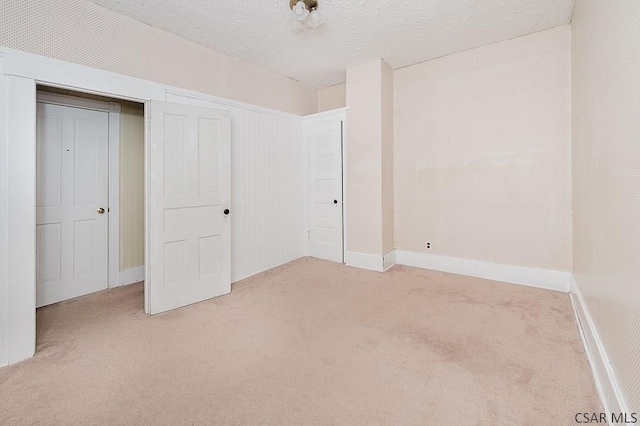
266, 187
606, 180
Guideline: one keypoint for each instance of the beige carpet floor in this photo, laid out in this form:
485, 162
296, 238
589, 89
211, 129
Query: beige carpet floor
310, 342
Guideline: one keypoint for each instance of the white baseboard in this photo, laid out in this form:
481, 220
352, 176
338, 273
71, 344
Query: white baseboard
389, 260
132, 275
605, 378
533, 277
365, 261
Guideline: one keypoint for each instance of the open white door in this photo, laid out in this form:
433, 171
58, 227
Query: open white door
325, 171
189, 201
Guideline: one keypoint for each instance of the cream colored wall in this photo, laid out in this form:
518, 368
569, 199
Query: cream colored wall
483, 153
370, 222
364, 159
606, 179
388, 240
82, 32
131, 185
332, 97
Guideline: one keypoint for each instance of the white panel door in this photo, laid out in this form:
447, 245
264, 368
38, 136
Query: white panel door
189, 225
325, 167
72, 188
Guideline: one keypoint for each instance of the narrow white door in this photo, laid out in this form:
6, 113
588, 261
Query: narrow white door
325, 166
71, 202
189, 219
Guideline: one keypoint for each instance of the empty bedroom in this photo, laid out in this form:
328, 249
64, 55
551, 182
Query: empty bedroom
322, 212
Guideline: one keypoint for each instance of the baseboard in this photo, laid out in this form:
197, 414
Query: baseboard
533, 277
389, 260
132, 275
606, 382
365, 261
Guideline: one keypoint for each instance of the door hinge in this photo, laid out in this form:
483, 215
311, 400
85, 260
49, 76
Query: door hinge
309, 234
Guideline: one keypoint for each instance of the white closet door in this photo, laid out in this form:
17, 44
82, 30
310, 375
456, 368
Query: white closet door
71, 202
189, 225
325, 167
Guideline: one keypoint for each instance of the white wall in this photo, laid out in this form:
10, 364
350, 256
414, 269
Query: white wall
267, 178
606, 182
483, 153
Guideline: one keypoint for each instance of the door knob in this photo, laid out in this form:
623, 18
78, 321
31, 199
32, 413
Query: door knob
335, 201
101, 210
226, 211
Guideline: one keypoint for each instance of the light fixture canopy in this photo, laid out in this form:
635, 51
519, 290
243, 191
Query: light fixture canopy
309, 4
305, 10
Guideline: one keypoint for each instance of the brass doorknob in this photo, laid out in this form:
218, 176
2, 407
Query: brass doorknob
101, 210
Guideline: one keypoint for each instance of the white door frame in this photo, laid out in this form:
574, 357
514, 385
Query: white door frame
20, 72
113, 217
313, 119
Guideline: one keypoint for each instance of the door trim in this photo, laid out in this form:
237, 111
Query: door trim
344, 187
113, 109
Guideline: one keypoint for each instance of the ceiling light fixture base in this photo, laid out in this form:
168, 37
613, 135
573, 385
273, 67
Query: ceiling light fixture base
305, 13
311, 4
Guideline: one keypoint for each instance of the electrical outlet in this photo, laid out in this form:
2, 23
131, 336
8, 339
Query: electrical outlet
427, 245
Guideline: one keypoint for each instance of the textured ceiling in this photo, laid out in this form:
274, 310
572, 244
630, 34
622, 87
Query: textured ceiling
403, 32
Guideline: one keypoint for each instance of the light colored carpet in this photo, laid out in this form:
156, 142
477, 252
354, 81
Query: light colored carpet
310, 342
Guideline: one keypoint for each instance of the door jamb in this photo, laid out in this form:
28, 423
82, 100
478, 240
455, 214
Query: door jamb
115, 109
343, 146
